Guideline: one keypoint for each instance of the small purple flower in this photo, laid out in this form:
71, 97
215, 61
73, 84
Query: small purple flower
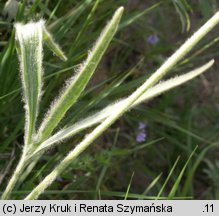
141, 125
141, 137
153, 39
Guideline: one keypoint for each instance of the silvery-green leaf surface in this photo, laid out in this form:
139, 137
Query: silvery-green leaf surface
101, 115
76, 84
29, 40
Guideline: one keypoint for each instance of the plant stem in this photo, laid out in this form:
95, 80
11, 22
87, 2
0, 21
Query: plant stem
179, 54
18, 171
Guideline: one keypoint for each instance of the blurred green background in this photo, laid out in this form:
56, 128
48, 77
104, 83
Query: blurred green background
120, 165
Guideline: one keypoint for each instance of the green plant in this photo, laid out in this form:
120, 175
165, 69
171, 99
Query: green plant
29, 44
212, 171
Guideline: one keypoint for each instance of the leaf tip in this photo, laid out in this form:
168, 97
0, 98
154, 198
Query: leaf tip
212, 62
120, 10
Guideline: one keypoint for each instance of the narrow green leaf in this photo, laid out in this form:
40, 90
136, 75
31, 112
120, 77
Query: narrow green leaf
29, 40
125, 106
152, 184
133, 18
176, 184
174, 82
168, 178
76, 85
129, 186
195, 165
83, 28
101, 115
47, 37
183, 14
64, 23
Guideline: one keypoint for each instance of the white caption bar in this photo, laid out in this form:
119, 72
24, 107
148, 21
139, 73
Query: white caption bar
110, 207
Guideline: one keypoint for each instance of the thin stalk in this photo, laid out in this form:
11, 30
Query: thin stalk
11, 184
17, 173
179, 54
99, 116
29, 38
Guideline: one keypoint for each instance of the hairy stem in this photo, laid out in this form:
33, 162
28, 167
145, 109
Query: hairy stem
11, 184
29, 44
125, 106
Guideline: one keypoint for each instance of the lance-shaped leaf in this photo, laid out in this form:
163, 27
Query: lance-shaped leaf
29, 40
103, 114
77, 84
47, 37
125, 106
